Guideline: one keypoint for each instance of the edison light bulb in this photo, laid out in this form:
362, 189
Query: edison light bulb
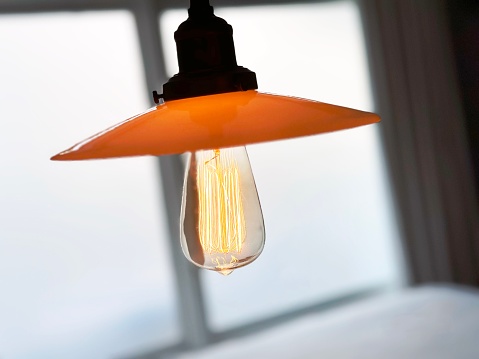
221, 220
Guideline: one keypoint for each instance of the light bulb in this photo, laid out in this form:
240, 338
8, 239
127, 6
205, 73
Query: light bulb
221, 219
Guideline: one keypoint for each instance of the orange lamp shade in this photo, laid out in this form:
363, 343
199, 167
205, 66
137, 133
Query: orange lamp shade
216, 121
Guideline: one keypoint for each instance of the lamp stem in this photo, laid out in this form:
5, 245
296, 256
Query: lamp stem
194, 4
200, 8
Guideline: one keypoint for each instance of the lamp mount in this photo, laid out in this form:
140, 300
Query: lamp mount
206, 58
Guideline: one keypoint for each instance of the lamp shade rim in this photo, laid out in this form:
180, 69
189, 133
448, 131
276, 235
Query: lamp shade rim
216, 121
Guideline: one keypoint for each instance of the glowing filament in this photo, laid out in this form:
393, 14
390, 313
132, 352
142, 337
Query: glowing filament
221, 222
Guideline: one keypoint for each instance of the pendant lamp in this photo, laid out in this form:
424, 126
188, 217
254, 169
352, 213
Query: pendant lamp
211, 109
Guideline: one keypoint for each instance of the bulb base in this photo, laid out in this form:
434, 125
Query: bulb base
206, 59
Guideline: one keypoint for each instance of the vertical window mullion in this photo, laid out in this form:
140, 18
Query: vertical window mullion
189, 294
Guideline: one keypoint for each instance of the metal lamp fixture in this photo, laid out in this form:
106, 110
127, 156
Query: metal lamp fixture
211, 109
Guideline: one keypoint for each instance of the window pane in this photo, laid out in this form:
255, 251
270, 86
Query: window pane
330, 228
84, 265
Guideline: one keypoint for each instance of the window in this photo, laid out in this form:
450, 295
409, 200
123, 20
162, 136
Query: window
83, 248
84, 267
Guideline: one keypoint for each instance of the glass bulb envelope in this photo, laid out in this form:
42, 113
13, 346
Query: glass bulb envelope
221, 222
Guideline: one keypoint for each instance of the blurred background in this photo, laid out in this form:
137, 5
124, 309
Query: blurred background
90, 265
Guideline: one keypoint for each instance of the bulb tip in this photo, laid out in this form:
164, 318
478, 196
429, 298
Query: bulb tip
225, 272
